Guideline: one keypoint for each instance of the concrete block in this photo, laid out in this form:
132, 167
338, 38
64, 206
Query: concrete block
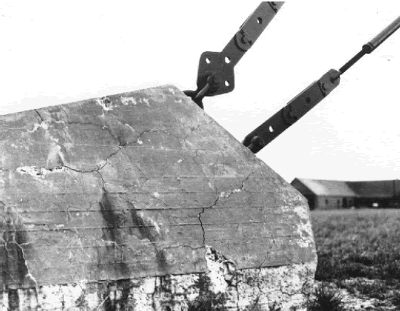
141, 201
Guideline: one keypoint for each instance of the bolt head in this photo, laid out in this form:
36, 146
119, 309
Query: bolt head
214, 80
258, 141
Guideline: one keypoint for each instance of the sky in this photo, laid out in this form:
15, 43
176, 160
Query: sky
59, 52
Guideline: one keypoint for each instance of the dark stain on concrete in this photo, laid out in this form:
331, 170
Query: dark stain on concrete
150, 233
15, 268
112, 231
14, 247
112, 219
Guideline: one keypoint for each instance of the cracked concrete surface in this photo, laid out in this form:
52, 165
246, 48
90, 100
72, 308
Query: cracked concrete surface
142, 200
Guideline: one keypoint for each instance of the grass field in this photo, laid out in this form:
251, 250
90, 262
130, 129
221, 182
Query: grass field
360, 250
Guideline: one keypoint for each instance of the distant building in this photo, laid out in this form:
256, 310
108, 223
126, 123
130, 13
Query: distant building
329, 194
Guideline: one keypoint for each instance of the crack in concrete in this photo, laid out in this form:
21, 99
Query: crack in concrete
103, 183
42, 171
246, 179
241, 188
98, 168
29, 274
202, 212
40, 116
42, 124
202, 228
219, 196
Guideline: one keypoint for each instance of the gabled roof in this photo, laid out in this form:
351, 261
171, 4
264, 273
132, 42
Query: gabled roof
373, 189
362, 189
328, 187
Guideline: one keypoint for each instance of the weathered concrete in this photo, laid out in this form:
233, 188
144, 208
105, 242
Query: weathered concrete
141, 201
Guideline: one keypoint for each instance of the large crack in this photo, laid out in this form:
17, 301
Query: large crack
202, 228
202, 212
99, 167
220, 195
41, 171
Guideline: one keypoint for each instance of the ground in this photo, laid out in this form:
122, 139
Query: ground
359, 255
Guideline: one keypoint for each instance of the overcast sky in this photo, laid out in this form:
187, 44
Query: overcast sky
58, 52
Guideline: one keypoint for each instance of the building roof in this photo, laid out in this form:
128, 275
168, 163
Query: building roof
373, 189
364, 189
328, 187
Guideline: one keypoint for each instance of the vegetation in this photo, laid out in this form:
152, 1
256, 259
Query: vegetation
359, 250
326, 299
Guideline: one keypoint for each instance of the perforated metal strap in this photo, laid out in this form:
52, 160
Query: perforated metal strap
221, 64
215, 74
